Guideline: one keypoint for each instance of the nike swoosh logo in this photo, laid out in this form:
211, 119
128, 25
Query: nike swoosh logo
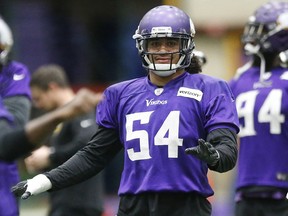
86, 123
17, 77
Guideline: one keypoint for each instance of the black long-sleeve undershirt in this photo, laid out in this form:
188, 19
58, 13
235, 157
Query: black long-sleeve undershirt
19, 107
87, 162
105, 144
14, 143
225, 141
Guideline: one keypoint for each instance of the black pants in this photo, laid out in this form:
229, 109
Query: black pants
164, 204
75, 212
261, 207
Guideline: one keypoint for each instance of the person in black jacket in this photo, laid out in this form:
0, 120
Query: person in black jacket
50, 89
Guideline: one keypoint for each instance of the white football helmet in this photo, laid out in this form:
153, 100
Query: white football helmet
6, 41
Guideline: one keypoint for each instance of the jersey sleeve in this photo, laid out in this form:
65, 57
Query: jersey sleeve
221, 109
15, 79
106, 115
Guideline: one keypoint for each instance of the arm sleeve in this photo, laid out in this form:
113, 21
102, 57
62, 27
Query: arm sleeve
225, 142
13, 143
87, 162
19, 107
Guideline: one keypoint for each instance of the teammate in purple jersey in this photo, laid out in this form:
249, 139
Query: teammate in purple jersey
261, 91
173, 124
18, 138
15, 109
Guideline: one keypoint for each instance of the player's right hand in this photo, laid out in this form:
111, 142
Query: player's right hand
20, 190
40, 183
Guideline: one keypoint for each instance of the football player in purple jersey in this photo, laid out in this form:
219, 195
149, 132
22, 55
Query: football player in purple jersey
17, 137
15, 109
261, 88
174, 124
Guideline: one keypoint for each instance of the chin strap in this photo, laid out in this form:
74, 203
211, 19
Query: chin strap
255, 50
262, 67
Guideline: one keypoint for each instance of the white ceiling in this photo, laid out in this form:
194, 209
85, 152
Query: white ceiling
228, 13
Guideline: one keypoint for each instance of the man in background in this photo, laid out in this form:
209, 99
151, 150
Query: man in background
50, 90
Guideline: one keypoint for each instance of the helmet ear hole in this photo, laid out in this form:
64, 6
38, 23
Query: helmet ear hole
165, 22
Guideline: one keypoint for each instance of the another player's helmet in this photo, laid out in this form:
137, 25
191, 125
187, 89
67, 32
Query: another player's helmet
6, 41
165, 21
201, 57
267, 29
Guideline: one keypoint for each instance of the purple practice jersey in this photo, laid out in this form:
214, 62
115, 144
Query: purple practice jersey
14, 81
156, 125
263, 116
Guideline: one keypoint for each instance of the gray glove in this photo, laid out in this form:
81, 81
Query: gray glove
204, 151
39, 184
20, 190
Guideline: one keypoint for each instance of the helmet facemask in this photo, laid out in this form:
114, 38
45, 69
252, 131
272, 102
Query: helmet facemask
254, 36
267, 29
266, 34
4, 55
184, 53
6, 41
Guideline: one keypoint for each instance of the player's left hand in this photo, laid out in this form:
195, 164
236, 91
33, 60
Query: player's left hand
205, 151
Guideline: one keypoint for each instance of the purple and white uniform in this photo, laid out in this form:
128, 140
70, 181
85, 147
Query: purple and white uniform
263, 116
14, 81
156, 125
